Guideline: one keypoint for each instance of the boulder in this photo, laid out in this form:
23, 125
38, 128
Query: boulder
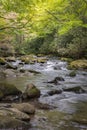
24, 107
8, 89
55, 80
10, 59
28, 59
72, 73
18, 114
12, 118
42, 60
76, 89
66, 59
53, 92
2, 61
78, 64
31, 91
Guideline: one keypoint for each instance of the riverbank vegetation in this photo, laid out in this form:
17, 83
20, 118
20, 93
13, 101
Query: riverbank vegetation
47, 27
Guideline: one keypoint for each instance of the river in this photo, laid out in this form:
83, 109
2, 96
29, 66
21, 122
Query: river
70, 112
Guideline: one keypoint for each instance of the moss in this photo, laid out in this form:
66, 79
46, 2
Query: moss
2, 60
34, 92
9, 89
42, 60
28, 59
78, 64
72, 73
66, 59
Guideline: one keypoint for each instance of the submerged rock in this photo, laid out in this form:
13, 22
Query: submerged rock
53, 92
31, 92
76, 89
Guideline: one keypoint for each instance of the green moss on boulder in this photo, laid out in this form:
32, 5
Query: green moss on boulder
72, 73
78, 64
2, 61
9, 89
66, 59
31, 91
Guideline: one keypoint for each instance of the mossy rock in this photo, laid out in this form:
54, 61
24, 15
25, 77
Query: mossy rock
79, 64
28, 59
9, 89
31, 91
66, 59
2, 61
72, 73
42, 60
76, 89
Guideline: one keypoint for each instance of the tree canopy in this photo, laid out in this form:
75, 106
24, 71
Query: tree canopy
49, 22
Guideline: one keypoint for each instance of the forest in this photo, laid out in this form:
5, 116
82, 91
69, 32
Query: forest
46, 27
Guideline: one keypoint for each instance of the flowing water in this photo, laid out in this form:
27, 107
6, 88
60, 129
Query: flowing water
70, 111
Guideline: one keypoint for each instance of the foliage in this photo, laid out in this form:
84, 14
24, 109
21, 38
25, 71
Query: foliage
49, 26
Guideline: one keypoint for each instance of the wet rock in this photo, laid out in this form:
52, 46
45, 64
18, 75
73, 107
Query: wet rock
76, 89
55, 81
33, 71
10, 59
53, 92
43, 106
31, 92
10, 66
24, 107
12, 118
22, 70
72, 73
8, 89
10, 98
57, 68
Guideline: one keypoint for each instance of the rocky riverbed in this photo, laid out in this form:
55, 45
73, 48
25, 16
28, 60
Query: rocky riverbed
60, 102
